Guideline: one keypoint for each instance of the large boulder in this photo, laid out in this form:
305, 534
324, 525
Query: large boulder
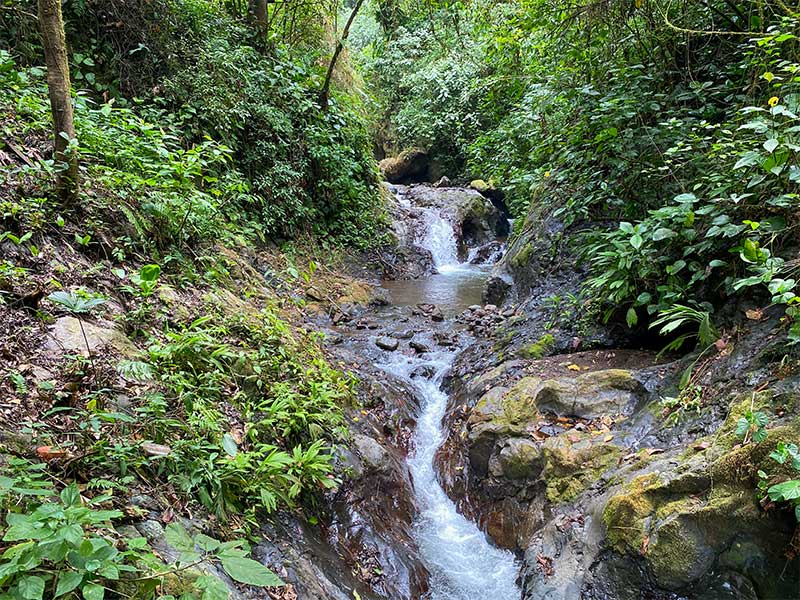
410, 166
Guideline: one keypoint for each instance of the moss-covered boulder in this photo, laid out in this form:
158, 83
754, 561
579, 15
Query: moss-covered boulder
409, 166
688, 519
573, 462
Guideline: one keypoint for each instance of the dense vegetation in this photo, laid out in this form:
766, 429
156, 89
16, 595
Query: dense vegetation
663, 136
671, 125
197, 129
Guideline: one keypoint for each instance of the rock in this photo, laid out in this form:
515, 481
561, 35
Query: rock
406, 334
372, 453
496, 289
419, 346
387, 343
443, 181
520, 458
410, 166
591, 395
65, 336
150, 529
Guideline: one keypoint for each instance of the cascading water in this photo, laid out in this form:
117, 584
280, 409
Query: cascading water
463, 563
440, 239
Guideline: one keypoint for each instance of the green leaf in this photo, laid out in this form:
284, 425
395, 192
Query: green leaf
662, 233
212, 588
770, 145
742, 427
631, 317
788, 490
31, 587
637, 241
229, 444
246, 570
206, 543
177, 537
71, 495
92, 591
150, 272
67, 581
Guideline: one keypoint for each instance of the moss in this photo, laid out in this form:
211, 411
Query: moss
677, 554
521, 258
572, 466
537, 349
518, 404
627, 515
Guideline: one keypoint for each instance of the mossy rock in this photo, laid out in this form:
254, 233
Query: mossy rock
520, 458
573, 463
537, 349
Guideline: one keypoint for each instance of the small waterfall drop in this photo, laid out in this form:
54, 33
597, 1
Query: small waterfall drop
464, 565
440, 239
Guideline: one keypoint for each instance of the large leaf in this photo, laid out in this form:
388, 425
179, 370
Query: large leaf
92, 591
788, 490
246, 570
67, 582
177, 537
31, 587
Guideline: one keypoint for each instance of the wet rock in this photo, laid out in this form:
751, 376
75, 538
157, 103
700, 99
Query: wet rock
387, 343
419, 347
372, 453
443, 181
497, 288
591, 395
520, 458
406, 334
423, 371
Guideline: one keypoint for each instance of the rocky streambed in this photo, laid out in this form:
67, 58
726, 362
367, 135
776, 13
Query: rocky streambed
517, 456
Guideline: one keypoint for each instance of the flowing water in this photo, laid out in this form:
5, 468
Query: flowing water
464, 565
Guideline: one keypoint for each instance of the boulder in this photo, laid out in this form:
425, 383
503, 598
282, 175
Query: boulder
65, 335
410, 166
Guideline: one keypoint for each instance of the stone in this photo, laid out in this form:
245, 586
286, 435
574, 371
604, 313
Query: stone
520, 458
419, 346
591, 395
410, 166
496, 289
65, 336
443, 181
387, 343
372, 453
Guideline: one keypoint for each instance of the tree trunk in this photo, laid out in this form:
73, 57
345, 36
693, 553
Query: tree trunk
51, 24
261, 13
323, 95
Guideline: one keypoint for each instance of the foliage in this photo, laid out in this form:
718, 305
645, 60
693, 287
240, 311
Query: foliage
62, 546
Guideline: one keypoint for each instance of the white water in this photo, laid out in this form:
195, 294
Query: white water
463, 564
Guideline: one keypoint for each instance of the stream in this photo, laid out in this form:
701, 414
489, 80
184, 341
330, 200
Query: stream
463, 564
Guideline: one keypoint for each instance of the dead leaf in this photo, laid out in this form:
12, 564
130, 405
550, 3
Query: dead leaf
573, 367
652, 451
701, 446
608, 438
754, 314
50, 453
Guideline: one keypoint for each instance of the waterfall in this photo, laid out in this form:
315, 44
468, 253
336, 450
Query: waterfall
440, 239
464, 565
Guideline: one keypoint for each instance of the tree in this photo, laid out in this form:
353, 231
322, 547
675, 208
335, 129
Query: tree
51, 24
323, 95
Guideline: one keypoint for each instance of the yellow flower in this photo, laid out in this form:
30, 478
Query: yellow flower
773, 101
547, 173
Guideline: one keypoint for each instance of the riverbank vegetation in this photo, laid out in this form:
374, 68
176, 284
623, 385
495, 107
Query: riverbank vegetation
208, 155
